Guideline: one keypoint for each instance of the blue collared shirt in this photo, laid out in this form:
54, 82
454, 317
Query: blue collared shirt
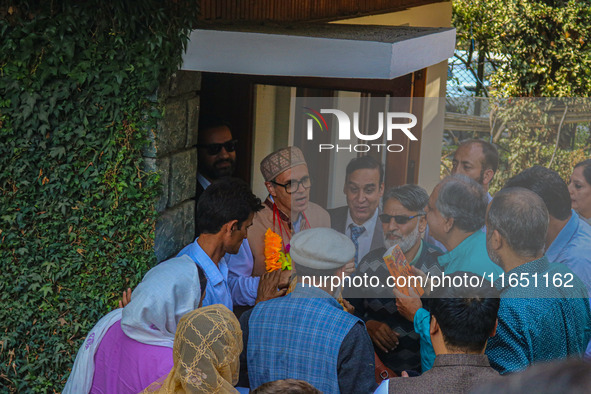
572, 247
243, 287
541, 321
217, 290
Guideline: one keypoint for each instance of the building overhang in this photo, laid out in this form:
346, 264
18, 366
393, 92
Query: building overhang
318, 50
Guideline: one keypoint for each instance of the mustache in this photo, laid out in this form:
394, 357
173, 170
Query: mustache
223, 161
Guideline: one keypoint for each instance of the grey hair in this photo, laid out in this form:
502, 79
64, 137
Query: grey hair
464, 200
521, 217
412, 197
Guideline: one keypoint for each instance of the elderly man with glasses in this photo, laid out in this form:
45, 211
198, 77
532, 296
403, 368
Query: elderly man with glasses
403, 222
287, 210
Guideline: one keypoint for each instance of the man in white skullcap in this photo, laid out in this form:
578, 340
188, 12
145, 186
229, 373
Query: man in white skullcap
307, 335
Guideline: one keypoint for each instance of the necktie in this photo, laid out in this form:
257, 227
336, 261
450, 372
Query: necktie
356, 231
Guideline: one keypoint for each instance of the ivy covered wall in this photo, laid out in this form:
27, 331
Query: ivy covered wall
77, 198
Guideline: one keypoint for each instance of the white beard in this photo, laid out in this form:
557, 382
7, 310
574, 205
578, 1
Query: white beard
405, 243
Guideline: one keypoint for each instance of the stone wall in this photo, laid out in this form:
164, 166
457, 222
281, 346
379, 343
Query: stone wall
174, 155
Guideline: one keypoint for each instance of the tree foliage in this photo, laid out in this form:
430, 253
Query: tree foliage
76, 207
538, 48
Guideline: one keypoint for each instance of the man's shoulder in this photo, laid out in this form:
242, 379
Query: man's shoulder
317, 216
338, 218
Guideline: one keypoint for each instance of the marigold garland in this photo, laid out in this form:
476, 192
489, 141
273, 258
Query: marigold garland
275, 258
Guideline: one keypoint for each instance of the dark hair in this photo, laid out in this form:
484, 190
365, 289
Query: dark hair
521, 217
586, 164
364, 162
490, 152
549, 186
412, 197
202, 280
286, 386
565, 376
207, 122
466, 315
225, 200
464, 200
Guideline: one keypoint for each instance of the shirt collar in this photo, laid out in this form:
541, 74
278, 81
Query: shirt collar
212, 271
301, 291
459, 250
535, 266
418, 256
445, 360
564, 237
369, 224
203, 181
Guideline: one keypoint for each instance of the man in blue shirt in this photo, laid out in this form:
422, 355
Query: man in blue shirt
455, 214
224, 213
569, 238
544, 313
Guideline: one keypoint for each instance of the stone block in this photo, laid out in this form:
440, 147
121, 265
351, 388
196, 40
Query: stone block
172, 133
175, 228
193, 121
183, 82
163, 166
183, 176
150, 149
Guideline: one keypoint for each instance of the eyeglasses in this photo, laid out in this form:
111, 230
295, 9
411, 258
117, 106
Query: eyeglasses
214, 149
293, 186
400, 219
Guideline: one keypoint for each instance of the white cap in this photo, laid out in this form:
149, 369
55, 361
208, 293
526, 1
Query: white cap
321, 249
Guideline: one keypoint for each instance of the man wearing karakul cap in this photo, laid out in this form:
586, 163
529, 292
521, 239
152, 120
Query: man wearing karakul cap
307, 335
287, 210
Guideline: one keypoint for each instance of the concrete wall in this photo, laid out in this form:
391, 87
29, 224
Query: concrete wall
174, 155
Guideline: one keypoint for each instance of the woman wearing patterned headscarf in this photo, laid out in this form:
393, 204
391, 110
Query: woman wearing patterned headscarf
206, 354
130, 348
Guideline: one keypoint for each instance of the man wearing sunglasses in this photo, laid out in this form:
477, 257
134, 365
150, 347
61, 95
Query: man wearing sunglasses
402, 223
216, 156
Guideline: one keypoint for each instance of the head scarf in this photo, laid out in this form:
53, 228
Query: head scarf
167, 292
206, 354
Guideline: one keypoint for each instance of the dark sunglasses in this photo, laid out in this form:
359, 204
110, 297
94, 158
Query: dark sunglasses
214, 149
400, 219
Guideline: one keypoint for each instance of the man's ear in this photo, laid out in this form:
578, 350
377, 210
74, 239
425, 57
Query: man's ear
381, 189
230, 227
487, 176
433, 326
271, 189
494, 331
448, 224
497, 240
422, 224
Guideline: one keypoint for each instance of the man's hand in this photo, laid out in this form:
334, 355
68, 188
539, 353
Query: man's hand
382, 335
125, 298
269, 286
348, 307
408, 305
426, 283
284, 279
349, 268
